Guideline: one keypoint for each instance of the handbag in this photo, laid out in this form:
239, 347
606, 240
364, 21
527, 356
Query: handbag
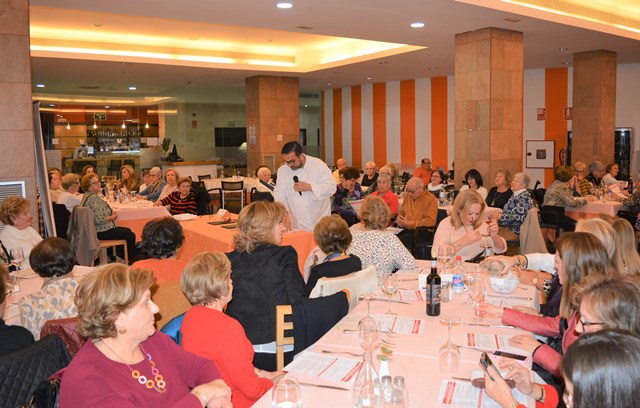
46, 395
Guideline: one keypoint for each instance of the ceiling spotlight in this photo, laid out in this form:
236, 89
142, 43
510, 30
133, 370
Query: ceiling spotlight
132, 88
306, 106
68, 126
107, 106
417, 24
369, 78
329, 84
284, 5
146, 126
39, 85
52, 105
562, 49
94, 125
123, 125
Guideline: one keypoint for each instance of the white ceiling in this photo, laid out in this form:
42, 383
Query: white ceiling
379, 20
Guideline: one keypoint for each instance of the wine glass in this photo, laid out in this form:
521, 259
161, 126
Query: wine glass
366, 387
367, 297
468, 278
444, 255
449, 353
286, 393
369, 334
389, 288
17, 257
477, 292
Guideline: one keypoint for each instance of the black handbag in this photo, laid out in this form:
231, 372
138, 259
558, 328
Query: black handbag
46, 395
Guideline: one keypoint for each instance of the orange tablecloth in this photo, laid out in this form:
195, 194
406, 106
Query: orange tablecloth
135, 215
201, 236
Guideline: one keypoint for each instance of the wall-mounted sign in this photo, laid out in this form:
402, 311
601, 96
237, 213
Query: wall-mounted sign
542, 113
568, 113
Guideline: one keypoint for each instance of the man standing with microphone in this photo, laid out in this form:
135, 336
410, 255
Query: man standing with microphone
305, 186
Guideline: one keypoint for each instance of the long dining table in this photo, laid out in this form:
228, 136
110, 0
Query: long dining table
416, 342
134, 215
594, 209
202, 236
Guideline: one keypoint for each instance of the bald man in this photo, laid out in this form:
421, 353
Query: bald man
419, 209
370, 174
340, 164
424, 171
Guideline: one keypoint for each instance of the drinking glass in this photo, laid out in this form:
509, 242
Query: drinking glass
444, 255
286, 393
477, 293
17, 257
449, 353
469, 277
369, 334
367, 298
366, 388
390, 288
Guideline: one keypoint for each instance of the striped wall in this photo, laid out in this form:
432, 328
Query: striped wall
404, 121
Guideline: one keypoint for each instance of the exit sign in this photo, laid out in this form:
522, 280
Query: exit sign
100, 116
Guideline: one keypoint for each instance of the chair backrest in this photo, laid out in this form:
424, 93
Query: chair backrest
232, 185
284, 332
531, 238
173, 328
66, 329
22, 371
204, 177
83, 236
356, 283
171, 301
61, 216
262, 196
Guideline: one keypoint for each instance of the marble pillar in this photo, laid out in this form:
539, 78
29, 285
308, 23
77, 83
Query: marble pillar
488, 102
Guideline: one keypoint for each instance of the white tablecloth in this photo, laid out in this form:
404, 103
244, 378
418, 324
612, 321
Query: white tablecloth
598, 207
249, 182
141, 209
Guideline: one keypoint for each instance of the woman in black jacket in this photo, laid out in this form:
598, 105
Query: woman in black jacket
264, 275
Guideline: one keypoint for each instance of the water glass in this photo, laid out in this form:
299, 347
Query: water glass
390, 288
444, 255
369, 334
286, 393
17, 257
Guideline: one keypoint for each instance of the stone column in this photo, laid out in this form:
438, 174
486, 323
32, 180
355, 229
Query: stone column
488, 102
594, 106
17, 159
273, 110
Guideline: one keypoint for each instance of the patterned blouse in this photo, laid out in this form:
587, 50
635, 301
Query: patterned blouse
53, 301
380, 248
342, 199
515, 211
101, 210
560, 194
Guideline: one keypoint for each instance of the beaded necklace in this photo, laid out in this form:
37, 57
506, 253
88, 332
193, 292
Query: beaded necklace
159, 384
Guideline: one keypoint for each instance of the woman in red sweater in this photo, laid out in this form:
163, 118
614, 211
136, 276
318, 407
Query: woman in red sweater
182, 201
209, 333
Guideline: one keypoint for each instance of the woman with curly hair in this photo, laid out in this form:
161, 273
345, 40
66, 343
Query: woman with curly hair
264, 275
161, 239
18, 232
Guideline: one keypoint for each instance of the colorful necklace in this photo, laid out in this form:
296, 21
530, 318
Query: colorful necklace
159, 384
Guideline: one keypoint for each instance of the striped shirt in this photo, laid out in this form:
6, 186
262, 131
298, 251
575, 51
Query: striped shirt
180, 205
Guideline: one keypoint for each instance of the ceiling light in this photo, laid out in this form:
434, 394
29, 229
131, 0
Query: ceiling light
132, 88
369, 78
68, 126
52, 105
39, 85
306, 106
417, 24
562, 49
284, 5
94, 125
512, 20
106, 106
146, 126
123, 125
329, 84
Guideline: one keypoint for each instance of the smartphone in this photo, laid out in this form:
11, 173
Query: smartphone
505, 354
486, 362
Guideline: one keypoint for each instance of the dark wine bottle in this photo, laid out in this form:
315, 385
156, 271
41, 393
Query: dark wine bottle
433, 290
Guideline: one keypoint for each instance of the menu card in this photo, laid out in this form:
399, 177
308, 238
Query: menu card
325, 369
454, 393
486, 341
399, 324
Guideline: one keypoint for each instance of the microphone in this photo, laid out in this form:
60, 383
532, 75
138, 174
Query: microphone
295, 180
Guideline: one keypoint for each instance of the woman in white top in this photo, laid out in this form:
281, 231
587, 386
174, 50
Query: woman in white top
464, 232
612, 173
437, 182
265, 184
474, 183
55, 187
171, 177
70, 196
375, 246
18, 232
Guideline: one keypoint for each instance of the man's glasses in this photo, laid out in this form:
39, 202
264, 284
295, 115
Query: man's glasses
291, 162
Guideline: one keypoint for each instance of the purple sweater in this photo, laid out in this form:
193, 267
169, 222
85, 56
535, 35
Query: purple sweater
93, 380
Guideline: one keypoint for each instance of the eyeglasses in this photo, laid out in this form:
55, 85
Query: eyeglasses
586, 324
291, 162
412, 191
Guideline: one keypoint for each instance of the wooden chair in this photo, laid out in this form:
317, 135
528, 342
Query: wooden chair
282, 328
84, 239
204, 177
233, 188
112, 243
171, 301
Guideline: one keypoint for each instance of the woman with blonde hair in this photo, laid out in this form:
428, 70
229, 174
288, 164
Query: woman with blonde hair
627, 254
501, 192
126, 362
376, 246
464, 232
171, 177
130, 179
209, 333
18, 232
607, 235
265, 275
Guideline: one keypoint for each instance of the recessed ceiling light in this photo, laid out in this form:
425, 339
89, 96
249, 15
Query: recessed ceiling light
329, 84
284, 5
107, 106
306, 106
132, 88
417, 24
301, 27
383, 62
52, 105
566, 63
369, 78
562, 49
97, 25
512, 20
39, 85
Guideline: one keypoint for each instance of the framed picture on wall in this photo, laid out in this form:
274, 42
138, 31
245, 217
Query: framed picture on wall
540, 154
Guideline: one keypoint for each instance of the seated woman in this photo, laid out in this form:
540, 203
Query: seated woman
348, 190
145, 180
578, 254
209, 333
12, 338
53, 260
265, 184
397, 186
171, 177
104, 217
155, 185
161, 238
55, 184
628, 258
516, 208
474, 183
130, 181
464, 232
560, 194
333, 237
582, 187
182, 201
596, 172
370, 174
612, 170
605, 303
501, 192
384, 191
18, 232
258, 290
375, 246
126, 363
70, 196
437, 183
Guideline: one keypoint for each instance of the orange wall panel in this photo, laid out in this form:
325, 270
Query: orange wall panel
408, 121
337, 123
439, 120
356, 127
380, 123
555, 100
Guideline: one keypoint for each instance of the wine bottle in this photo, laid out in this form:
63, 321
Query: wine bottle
433, 290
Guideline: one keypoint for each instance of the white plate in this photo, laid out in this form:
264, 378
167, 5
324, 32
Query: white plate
185, 217
25, 273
